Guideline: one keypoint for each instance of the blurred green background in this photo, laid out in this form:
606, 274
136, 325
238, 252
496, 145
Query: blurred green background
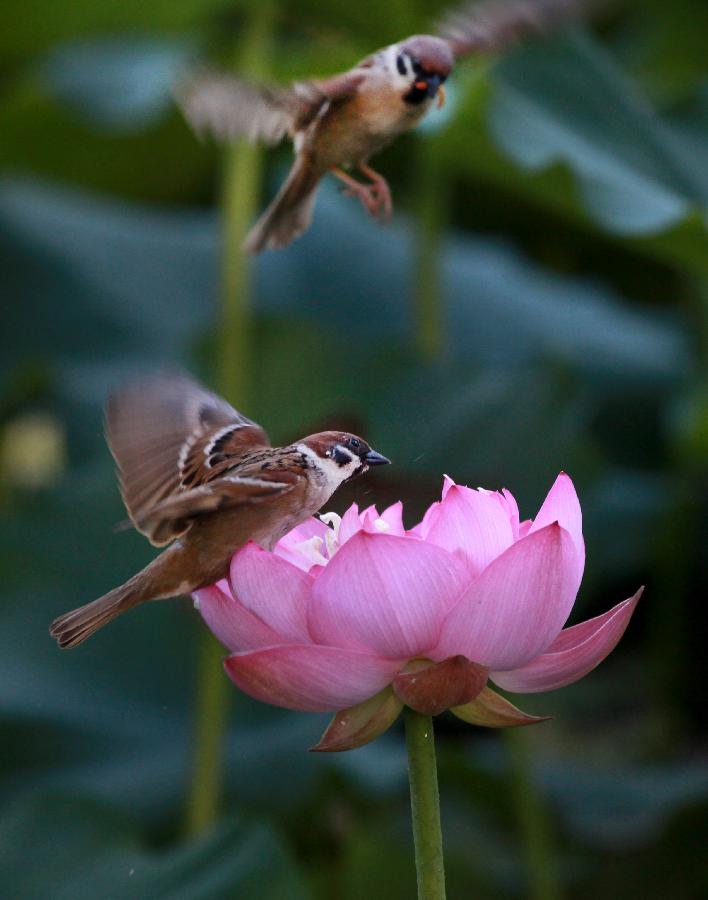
539, 303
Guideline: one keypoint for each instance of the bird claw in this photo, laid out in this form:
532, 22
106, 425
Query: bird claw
374, 197
384, 205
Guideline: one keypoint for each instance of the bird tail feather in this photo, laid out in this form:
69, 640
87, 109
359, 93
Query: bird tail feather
289, 214
75, 626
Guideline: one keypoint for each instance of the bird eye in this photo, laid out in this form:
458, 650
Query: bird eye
401, 64
354, 443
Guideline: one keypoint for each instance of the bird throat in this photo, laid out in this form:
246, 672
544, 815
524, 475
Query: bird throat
416, 96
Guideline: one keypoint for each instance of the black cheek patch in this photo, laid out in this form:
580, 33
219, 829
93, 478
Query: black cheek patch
341, 457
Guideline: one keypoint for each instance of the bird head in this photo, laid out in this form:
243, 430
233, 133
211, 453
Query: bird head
425, 61
340, 454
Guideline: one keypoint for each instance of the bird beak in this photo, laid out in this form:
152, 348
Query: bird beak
373, 458
433, 84
440, 102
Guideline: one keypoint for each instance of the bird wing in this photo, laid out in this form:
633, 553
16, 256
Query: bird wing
173, 516
228, 107
168, 435
494, 25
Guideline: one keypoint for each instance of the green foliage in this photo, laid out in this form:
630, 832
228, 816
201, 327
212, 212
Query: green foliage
99, 852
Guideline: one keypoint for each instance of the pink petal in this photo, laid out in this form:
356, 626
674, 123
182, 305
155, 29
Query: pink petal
516, 607
385, 594
350, 525
423, 527
562, 505
574, 653
303, 561
368, 519
311, 678
507, 499
232, 623
276, 591
312, 527
473, 526
389, 522
393, 517
525, 527
287, 547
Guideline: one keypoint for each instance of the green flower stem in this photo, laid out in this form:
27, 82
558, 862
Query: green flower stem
211, 721
425, 806
433, 202
534, 826
241, 190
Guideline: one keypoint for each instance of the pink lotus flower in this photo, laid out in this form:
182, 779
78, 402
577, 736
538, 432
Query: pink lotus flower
359, 615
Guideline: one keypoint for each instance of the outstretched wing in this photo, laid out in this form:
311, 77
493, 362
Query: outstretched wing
168, 434
494, 25
227, 107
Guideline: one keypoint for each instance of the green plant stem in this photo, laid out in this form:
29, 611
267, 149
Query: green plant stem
241, 190
433, 200
532, 818
425, 806
211, 721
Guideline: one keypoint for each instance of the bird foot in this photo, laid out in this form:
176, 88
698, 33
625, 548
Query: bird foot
374, 197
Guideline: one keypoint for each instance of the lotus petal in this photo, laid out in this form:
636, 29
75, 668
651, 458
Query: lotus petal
302, 546
385, 594
310, 678
274, 589
472, 525
516, 607
562, 505
231, 622
350, 524
575, 652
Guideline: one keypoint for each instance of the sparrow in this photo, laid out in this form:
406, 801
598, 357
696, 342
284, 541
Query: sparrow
342, 121
200, 477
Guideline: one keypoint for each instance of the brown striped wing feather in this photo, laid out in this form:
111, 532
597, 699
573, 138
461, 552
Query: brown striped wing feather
169, 435
174, 515
227, 107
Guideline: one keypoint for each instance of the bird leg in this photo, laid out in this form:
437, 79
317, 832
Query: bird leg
374, 197
381, 190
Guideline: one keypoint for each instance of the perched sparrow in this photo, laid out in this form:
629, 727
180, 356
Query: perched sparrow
344, 120
199, 476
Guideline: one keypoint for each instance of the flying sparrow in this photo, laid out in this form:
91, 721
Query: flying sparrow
344, 120
197, 475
